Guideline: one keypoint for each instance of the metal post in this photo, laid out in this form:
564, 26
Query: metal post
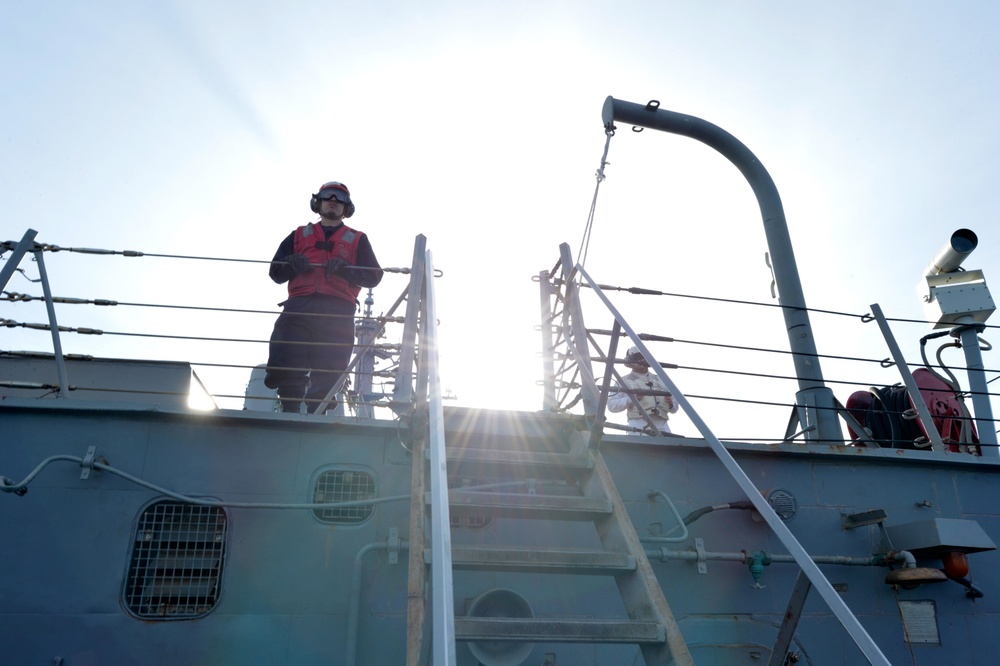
403, 391
979, 389
53, 327
26, 243
609, 369
911, 384
365, 330
796, 602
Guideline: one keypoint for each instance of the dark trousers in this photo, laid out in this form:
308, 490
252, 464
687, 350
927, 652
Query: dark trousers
310, 347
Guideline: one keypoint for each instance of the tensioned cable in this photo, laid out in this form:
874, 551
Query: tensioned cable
635, 290
884, 361
768, 403
745, 348
46, 247
865, 318
10, 245
102, 302
10, 323
16, 297
609, 131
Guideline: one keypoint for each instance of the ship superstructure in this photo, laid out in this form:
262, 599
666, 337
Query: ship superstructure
140, 530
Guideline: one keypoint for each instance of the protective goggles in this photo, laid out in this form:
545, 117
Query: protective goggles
333, 192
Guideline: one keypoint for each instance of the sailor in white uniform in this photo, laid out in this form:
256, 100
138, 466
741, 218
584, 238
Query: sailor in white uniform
648, 391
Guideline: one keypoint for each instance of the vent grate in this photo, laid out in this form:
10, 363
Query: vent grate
470, 522
175, 570
344, 486
783, 503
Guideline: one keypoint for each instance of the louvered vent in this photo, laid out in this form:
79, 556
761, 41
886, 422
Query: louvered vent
344, 486
175, 571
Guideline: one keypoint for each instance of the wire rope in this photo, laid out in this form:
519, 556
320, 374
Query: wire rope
609, 132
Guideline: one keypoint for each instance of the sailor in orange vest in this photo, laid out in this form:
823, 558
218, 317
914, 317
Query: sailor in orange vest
648, 391
325, 264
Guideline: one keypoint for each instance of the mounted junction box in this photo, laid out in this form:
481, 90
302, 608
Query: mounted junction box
931, 538
958, 298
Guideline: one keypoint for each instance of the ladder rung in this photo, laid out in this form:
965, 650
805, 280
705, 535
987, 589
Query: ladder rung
557, 631
539, 507
585, 562
523, 464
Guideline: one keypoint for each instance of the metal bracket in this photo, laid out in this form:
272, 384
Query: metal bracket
393, 545
87, 463
699, 546
873, 517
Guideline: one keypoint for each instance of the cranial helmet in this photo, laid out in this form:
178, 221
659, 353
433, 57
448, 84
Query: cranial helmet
333, 190
634, 356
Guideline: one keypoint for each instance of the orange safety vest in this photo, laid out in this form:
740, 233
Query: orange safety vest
309, 241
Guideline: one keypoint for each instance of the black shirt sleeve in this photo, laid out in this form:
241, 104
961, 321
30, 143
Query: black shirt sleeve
281, 272
366, 257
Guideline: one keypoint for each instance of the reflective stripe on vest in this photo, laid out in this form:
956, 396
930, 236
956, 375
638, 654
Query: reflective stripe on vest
343, 243
652, 404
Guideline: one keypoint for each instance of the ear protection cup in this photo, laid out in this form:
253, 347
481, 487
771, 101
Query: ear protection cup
314, 204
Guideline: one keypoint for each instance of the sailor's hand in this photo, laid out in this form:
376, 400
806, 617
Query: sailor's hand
298, 263
332, 266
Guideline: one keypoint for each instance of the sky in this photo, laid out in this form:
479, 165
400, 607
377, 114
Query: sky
201, 128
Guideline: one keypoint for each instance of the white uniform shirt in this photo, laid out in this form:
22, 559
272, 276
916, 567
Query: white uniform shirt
659, 407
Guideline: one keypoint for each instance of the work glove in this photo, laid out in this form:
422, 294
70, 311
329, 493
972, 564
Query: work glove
298, 263
334, 265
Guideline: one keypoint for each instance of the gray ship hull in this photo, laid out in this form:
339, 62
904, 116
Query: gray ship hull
293, 589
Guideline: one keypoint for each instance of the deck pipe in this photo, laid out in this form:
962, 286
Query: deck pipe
817, 399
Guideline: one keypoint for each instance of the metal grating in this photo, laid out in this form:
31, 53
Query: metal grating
344, 486
176, 566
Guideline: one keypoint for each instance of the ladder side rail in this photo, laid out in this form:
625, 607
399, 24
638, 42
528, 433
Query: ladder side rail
819, 581
573, 324
403, 391
442, 592
641, 592
546, 292
416, 604
406, 403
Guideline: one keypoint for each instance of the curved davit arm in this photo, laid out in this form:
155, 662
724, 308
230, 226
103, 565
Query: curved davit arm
786, 273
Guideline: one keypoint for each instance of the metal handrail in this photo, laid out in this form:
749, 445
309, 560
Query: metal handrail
823, 586
442, 591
